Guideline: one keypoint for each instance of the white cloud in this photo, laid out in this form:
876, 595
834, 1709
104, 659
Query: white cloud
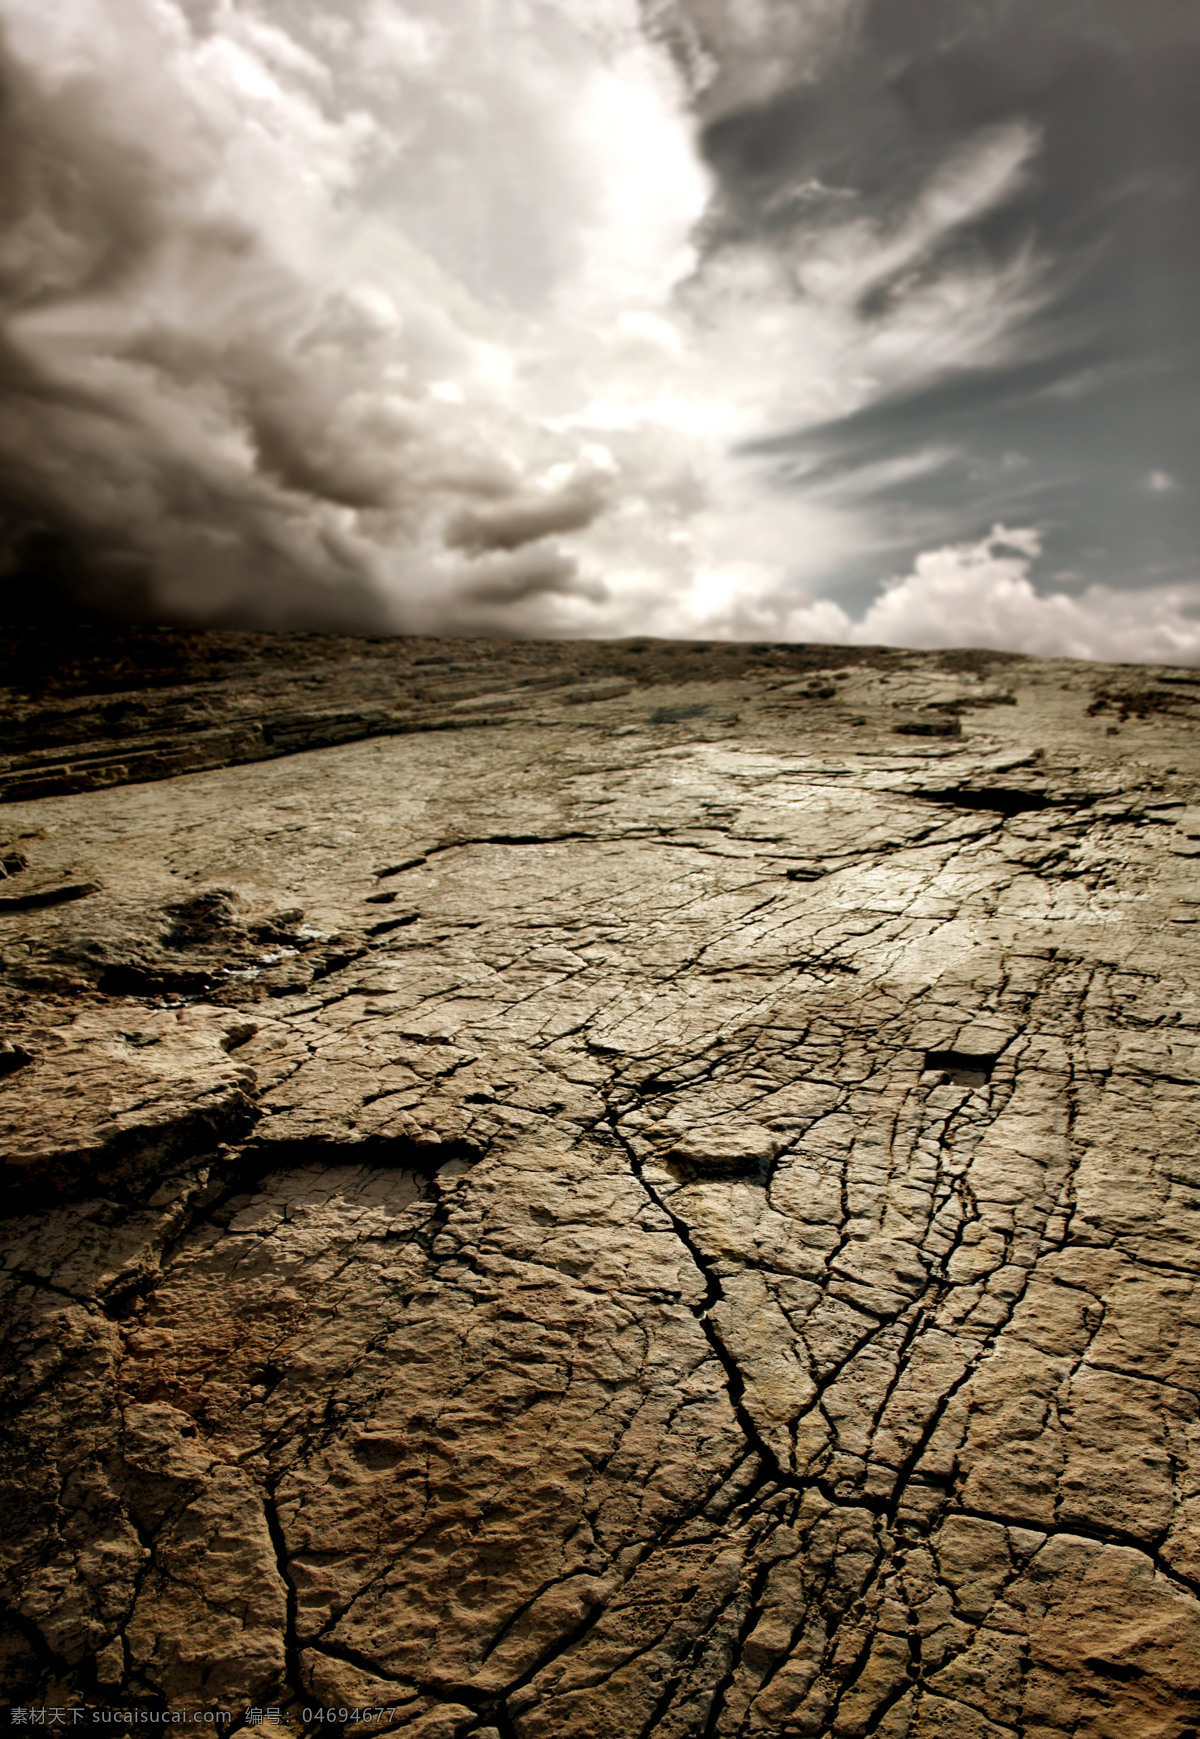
283, 297
981, 594
395, 312
742, 52
856, 256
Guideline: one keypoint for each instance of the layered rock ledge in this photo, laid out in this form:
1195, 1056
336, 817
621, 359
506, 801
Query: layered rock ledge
667, 1210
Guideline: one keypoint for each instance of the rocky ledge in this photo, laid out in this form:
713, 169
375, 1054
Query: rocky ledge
669, 1210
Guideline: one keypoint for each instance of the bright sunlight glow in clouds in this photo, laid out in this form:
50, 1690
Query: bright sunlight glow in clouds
702, 317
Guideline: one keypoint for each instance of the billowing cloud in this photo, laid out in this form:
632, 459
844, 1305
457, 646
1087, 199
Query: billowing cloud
981, 594
520, 519
743, 53
531, 316
234, 378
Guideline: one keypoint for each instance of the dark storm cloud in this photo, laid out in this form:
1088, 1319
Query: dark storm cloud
90, 491
533, 574
523, 519
1090, 427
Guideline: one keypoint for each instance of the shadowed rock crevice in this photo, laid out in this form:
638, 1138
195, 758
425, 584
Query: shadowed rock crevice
961, 1068
993, 799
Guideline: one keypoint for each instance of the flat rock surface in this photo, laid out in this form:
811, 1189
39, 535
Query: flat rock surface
667, 1210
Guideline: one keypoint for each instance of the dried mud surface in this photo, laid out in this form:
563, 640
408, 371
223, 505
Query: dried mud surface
669, 1211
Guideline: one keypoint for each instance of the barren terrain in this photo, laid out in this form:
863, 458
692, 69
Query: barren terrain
645, 1192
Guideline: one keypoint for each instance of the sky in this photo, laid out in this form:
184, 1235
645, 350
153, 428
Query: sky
842, 320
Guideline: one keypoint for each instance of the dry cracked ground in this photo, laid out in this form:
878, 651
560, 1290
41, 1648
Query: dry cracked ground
671, 1211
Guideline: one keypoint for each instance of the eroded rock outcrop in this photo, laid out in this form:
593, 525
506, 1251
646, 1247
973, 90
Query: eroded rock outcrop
673, 1215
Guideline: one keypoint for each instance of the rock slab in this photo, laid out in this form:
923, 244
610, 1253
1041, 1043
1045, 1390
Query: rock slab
670, 1210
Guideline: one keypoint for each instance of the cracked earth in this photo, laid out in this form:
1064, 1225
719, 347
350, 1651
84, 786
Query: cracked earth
670, 1210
